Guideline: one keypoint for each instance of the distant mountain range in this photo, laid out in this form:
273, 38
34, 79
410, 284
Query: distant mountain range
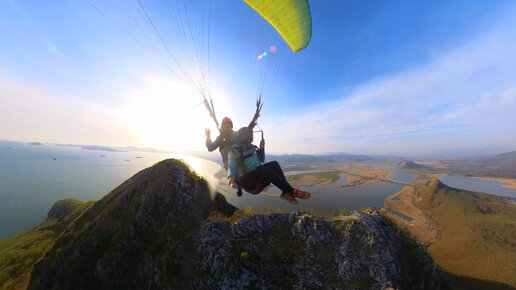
499, 165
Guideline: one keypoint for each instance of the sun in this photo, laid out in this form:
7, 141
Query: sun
167, 115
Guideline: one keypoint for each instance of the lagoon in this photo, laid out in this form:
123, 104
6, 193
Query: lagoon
478, 185
325, 199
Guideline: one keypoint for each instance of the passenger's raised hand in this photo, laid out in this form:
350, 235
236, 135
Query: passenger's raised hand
207, 132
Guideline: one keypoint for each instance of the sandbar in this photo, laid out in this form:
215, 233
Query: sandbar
507, 182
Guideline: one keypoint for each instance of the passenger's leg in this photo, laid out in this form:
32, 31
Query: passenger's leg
297, 192
277, 168
252, 180
273, 173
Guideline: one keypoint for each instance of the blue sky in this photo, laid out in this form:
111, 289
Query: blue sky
379, 77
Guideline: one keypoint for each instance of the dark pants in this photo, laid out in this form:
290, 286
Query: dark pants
264, 175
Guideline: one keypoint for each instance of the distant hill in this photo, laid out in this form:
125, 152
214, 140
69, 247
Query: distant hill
499, 165
501, 159
311, 159
407, 164
297, 161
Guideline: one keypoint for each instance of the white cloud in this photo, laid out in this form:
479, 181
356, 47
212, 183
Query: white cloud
460, 98
34, 114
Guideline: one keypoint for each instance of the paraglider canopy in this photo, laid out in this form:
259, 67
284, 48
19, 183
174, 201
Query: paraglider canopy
291, 19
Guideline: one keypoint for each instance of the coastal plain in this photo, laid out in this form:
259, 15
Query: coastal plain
356, 174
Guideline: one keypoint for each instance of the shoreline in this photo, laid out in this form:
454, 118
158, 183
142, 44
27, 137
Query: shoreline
419, 225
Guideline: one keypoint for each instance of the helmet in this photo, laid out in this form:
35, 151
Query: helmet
244, 134
227, 120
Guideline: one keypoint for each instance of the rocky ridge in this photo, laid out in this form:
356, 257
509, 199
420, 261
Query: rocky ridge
152, 232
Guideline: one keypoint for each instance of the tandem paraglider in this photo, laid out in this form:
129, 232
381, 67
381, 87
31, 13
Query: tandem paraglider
189, 63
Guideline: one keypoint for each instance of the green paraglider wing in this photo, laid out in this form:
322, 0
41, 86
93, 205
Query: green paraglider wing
291, 19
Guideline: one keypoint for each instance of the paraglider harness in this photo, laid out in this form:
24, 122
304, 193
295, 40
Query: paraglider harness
240, 159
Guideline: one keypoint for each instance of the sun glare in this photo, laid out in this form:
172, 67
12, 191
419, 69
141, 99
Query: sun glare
167, 115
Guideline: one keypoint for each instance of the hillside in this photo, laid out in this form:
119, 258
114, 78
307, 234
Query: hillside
161, 229
477, 232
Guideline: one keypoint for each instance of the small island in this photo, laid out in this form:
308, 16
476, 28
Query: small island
36, 143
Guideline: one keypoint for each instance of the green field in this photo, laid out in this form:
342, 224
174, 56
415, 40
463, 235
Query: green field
19, 253
332, 175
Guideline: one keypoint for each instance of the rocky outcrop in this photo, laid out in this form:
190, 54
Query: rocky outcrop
298, 251
63, 208
152, 232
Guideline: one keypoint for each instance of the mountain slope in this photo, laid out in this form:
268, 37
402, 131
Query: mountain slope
477, 232
140, 229
152, 232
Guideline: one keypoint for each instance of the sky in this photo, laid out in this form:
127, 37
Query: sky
378, 77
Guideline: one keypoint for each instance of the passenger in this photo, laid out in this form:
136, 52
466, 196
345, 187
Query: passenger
247, 171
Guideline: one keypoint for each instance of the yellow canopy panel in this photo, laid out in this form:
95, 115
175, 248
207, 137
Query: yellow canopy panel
291, 19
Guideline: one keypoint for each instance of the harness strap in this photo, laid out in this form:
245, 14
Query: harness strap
241, 160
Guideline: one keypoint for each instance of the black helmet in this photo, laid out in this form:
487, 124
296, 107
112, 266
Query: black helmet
244, 134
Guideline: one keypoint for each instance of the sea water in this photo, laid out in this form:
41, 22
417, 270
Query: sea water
34, 177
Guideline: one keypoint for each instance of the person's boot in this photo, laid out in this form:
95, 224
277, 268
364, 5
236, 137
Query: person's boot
301, 194
289, 197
